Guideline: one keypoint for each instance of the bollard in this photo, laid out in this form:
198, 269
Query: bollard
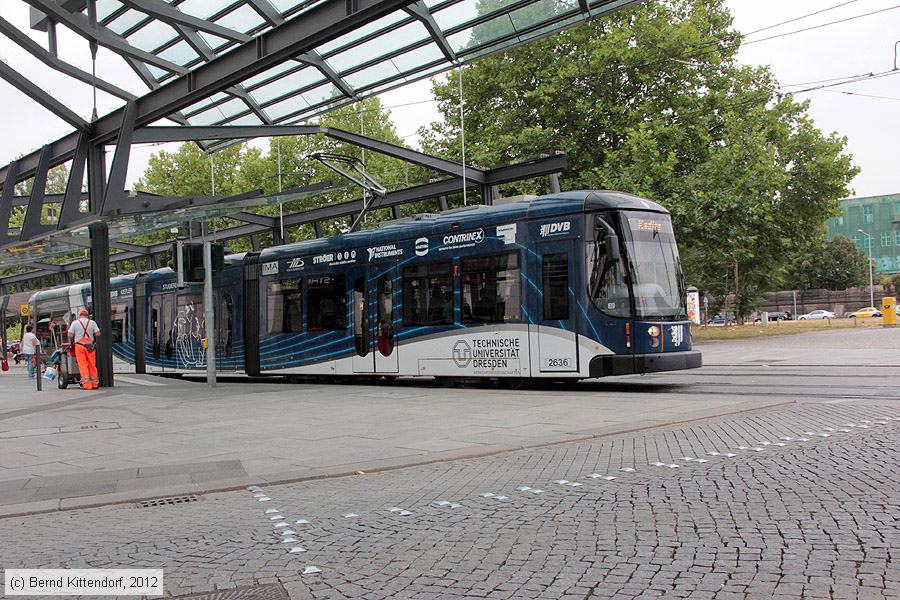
38, 373
889, 311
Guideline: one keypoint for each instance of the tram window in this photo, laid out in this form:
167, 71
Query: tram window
226, 331
385, 315
360, 322
428, 294
491, 289
284, 301
326, 301
155, 328
607, 285
118, 331
165, 327
555, 286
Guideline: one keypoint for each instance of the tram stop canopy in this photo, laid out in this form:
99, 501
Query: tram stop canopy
221, 70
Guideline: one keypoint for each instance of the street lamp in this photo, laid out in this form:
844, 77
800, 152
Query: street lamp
871, 284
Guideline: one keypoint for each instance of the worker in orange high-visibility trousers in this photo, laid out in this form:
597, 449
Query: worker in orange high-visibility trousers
83, 332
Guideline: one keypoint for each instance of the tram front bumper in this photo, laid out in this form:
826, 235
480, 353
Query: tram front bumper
630, 364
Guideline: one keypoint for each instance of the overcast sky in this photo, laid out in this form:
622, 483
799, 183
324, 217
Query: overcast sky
864, 112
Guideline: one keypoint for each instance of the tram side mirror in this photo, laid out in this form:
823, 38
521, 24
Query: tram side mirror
612, 247
610, 239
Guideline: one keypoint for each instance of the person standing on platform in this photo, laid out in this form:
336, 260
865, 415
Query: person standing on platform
29, 345
83, 332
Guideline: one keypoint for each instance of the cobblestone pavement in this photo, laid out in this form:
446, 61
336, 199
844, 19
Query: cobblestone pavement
816, 517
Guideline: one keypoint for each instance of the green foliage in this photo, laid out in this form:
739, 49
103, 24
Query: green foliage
836, 265
651, 101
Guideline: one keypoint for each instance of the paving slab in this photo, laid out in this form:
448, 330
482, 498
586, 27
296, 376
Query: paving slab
178, 432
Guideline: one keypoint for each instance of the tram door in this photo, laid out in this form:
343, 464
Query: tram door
375, 316
159, 332
557, 310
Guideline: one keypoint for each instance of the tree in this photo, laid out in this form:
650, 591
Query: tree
836, 265
57, 177
652, 101
243, 167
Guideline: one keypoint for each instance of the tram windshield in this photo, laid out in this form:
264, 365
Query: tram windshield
647, 281
656, 277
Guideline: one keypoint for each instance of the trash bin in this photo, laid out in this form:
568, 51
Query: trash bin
889, 310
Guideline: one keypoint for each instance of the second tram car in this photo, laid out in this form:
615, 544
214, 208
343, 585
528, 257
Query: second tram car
567, 286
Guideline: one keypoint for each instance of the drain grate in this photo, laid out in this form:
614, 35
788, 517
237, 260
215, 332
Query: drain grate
83, 427
270, 591
167, 501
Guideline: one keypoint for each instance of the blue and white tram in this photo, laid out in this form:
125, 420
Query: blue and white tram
567, 286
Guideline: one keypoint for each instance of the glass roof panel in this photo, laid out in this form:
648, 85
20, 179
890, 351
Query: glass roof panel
126, 226
321, 94
417, 58
106, 8
286, 107
152, 35
180, 53
384, 44
370, 75
204, 9
287, 84
481, 34
532, 14
432, 3
157, 72
465, 11
241, 19
222, 112
285, 66
248, 119
126, 21
215, 42
205, 102
363, 31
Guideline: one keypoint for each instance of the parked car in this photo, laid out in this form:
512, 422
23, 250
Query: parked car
865, 313
817, 315
776, 315
720, 319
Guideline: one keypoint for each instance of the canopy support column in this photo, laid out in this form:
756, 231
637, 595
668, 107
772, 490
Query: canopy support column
100, 298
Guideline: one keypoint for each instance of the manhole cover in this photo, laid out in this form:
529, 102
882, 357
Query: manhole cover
270, 591
167, 501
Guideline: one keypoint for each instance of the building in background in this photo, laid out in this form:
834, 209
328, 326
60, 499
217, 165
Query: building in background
879, 216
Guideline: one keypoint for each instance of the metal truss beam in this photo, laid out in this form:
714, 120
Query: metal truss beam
80, 24
114, 192
214, 132
321, 23
313, 58
24, 85
32, 227
256, 224
267, 11
420, 11
6, 200
171, 15
71, 204
54, 62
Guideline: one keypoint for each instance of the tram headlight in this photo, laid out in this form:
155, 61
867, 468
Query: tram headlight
654, 333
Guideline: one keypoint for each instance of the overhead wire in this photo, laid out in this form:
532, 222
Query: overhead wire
821, 25
801, 17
